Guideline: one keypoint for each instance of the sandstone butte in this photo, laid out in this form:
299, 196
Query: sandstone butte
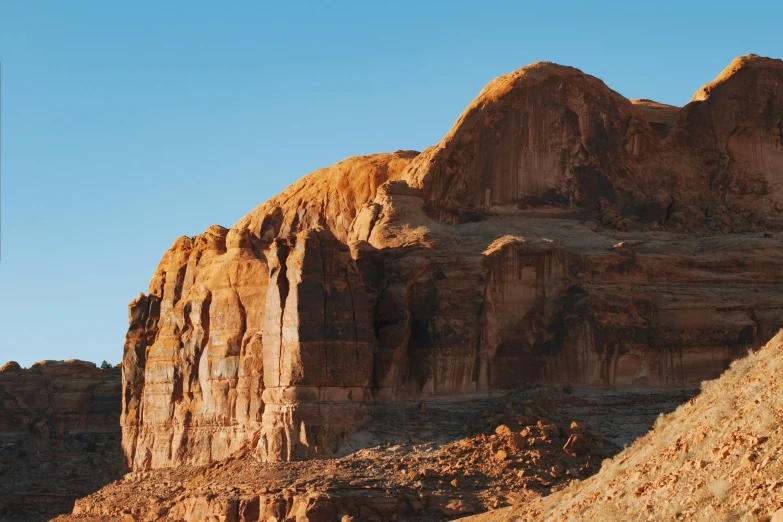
560, 233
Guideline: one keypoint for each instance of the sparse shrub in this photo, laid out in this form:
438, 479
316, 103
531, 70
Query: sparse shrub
568, 389
707, 386
608, 512
719, 489
700, 495
766, 421
674, 509
660, 422
718, 411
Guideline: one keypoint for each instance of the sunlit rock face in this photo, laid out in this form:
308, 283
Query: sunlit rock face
559, 233
734, 123
259, 333
543, 134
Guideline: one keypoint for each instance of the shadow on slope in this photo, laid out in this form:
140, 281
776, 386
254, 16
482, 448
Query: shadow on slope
435, 460
717, 457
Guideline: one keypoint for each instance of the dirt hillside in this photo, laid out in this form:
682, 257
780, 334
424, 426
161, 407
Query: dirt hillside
717, 457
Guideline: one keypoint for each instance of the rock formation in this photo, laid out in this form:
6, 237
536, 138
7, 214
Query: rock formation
59, 436
448, 459
559, 233
54, 396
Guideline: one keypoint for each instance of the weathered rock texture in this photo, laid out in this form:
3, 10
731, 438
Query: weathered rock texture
59, 436
59, 395
559, 233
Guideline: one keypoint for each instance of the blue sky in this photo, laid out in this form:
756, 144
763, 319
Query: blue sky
128, 124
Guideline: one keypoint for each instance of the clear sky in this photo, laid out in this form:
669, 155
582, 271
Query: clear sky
128, 124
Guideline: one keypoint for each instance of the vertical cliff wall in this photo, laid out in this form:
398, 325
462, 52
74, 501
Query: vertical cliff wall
258, 333
559, 233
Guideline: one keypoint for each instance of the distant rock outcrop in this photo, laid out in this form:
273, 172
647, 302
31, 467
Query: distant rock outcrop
559, 233
59, 436
63, 395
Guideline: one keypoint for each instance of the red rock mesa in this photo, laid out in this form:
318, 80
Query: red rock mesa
559, 233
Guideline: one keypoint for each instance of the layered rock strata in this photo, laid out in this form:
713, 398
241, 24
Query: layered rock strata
59, 436
559, 233
52, 396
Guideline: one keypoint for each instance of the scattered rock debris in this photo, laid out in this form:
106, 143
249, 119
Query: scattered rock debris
469, 457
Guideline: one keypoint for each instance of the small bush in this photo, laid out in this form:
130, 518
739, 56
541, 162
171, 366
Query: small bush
719, 489
608, 512
660, 422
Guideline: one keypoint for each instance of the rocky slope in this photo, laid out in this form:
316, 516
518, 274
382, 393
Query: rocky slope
432, 461
717, 457
59, 436
559, 233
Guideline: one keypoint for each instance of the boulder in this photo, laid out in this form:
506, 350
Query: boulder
577, 444
576, 427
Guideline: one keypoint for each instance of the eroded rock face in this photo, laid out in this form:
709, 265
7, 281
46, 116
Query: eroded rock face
259, 332
559, 233
722, 440
543, 134
735, 125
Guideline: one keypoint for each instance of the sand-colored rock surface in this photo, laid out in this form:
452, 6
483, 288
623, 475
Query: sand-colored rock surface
559, 233
59, 436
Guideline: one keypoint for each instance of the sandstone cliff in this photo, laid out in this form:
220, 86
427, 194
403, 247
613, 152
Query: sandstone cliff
559, 233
